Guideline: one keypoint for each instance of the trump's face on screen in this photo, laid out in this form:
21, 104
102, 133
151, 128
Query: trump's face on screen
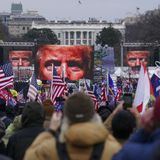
71, 62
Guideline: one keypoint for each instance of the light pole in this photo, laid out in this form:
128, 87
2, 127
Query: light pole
122, 53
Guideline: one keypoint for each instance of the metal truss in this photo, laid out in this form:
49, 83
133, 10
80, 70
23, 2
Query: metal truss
140, 44
17, 44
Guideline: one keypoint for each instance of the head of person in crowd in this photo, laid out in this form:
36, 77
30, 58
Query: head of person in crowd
20, 58
135, 58
33, 113
79, 108
71, 62
123, 125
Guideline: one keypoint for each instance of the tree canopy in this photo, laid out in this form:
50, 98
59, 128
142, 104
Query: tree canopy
145, 29
109, 36
43, 35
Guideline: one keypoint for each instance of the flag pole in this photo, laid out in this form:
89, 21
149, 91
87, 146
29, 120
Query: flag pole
63, 73
107, 82
51, 80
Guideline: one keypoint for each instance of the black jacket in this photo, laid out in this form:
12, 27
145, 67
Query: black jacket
21, 140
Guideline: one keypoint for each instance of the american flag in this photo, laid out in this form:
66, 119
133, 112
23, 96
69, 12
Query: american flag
33, 88
20, 97
6, 76
104, 93
57, 86
92, 96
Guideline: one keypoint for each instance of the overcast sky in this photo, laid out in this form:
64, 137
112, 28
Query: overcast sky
83, 9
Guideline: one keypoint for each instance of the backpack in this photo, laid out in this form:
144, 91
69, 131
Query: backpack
63, 155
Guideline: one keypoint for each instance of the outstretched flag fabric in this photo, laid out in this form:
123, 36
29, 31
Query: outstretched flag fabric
58, 87
33, 88
6, 76
90, 93
144, 90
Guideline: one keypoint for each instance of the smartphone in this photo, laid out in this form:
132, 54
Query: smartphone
59, 104
128, 100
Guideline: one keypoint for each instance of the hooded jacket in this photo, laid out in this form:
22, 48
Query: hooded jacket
32, 125
79, 139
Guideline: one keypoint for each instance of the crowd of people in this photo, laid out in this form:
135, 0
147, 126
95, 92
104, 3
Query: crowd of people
78, 131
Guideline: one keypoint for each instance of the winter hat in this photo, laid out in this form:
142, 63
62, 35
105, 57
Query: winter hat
79, 108
33, 113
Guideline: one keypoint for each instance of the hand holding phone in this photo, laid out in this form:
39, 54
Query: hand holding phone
128, 100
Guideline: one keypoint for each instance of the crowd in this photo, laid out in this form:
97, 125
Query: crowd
78, 131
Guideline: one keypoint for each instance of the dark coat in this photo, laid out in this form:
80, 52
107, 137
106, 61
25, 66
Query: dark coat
32, 125
142, 145
20, 141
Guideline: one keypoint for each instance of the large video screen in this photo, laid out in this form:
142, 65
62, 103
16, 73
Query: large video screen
136, 57
22, 63
71, 62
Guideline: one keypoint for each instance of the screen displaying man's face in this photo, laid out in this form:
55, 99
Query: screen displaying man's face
71, 62
135, 58
20, 58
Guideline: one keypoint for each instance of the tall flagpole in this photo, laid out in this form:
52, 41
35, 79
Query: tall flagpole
51, 82
63, 73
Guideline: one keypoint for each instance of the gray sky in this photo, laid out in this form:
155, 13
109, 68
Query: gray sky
83, 9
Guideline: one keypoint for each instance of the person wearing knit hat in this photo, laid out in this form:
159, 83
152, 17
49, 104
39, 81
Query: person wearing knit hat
79, 108
80, 131
32, 124
144, 142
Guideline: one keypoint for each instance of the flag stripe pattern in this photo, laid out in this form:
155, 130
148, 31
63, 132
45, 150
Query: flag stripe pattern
103, 93
57, 86
33, 88
6, 76
92, 96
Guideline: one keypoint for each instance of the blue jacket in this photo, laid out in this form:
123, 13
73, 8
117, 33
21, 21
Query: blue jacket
141, 146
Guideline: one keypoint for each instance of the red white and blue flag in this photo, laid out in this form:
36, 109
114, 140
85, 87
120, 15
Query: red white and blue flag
33, 88
6, 76
57, 86
104, 97
91, 94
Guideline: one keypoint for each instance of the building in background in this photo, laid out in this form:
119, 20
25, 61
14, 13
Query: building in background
18, 25
73, 32
18, 22
16, 8
78, 32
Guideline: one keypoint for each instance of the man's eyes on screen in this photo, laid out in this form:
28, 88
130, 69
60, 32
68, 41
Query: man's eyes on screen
17, 59
74, 64
52, 62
